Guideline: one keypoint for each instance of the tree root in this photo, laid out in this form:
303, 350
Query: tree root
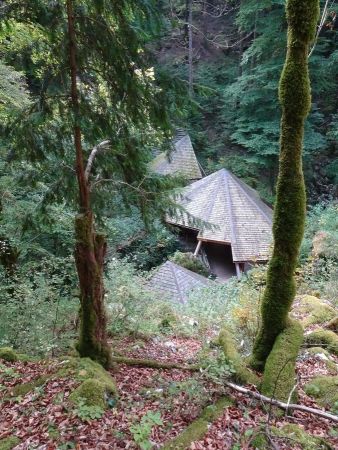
153, 364
282, 405
199, 427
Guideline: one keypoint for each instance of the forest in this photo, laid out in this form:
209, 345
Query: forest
168, 224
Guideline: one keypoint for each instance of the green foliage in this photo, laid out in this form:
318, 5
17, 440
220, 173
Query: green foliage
88, 412
323, 338
9, 442
8, 354
141, 431
324, 390
218, 369
38, 308
190, 262
322, 218
13, 91
130, 305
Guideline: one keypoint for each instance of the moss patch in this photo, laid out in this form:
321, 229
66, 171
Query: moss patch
8, 354
326, 338
324, 390
97, 384
243, 374
197, 429
22, 389
333, 325
92, 392
279, 374
318, 311
260, 442
9, 442
296, 433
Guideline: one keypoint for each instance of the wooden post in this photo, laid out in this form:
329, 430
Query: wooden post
198, 248
238, 271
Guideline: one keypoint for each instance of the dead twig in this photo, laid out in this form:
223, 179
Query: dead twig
282, 405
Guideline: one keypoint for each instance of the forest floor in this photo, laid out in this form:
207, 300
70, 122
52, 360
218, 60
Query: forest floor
44, 418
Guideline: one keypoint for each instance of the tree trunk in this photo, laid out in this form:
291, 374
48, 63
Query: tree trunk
289, 214
90, 247
190, 48
90, 251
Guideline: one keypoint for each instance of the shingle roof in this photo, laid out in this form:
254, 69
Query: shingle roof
174, 282
182, 159
239, 217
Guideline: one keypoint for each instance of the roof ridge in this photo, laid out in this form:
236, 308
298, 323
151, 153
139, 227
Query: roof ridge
229, 204
172, 270
251, 199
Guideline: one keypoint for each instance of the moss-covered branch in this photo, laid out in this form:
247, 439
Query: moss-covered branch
151, 363
197, 429
279, 377
242, 373
289, 214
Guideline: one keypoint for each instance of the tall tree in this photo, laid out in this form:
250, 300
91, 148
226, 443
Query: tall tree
95, 92
90, 247
289, 214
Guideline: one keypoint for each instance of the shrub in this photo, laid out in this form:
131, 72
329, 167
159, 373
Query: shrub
190, 262
131, 306
38, 307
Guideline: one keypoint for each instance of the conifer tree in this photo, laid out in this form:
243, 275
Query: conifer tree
93, 86
289, 214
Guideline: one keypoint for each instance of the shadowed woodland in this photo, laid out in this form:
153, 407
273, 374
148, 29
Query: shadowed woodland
168, 224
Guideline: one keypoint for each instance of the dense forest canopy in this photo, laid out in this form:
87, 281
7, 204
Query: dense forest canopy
91, 91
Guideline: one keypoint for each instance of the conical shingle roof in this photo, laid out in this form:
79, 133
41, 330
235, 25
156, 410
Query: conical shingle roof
182, 160
175, 282
236, 212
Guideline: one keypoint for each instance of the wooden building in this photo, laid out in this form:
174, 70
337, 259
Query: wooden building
240, 223
180, 161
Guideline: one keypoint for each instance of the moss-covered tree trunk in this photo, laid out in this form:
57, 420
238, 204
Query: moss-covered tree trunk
289, 214
90, 247
89, 256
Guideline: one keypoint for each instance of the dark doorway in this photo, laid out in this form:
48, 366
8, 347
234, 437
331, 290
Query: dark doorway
220, 260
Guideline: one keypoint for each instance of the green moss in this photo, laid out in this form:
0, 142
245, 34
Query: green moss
296, 434
243, 374
97, 384
9, 442
333, 325
318, 350
197, 429
289, 212
137, 362
318, 312
324, 389
22, 389
89, 256
8, 354
92, 392
279, 374
326, 338
260, 442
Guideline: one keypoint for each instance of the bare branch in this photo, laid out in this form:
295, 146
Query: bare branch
282, 405
99, 147
320, 26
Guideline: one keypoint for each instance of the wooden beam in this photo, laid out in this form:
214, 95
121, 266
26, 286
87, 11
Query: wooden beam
238, 271
198, 248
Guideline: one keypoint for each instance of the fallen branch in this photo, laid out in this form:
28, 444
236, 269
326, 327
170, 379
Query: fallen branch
153, 364
282, 405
